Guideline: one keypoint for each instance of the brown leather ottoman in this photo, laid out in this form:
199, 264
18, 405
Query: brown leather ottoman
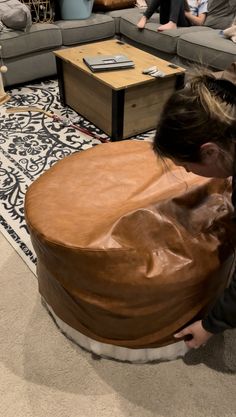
128, 250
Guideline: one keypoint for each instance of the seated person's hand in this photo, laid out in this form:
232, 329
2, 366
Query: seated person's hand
195, 20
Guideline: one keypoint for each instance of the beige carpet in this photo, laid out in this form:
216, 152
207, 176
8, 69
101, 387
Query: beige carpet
44, 375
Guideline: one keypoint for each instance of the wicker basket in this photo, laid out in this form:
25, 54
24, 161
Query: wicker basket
42, 11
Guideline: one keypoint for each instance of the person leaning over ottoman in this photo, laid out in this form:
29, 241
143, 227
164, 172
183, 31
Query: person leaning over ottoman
197, 131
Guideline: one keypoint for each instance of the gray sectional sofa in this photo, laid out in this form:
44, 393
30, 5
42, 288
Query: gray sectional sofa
29, 55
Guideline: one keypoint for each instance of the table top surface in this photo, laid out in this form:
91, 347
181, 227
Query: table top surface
122, 78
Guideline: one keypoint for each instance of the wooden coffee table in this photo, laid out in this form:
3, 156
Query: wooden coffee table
122, 103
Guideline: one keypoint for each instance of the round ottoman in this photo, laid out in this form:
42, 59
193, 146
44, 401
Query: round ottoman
129, 249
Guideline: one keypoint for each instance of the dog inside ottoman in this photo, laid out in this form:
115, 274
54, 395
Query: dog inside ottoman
130, 249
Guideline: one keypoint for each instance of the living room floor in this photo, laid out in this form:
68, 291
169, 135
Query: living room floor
43, 374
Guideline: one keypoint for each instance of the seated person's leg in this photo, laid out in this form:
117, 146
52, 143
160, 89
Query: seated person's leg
152, 7
180, 9
172, 14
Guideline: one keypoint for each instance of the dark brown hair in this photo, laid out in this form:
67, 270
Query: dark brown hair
203, 111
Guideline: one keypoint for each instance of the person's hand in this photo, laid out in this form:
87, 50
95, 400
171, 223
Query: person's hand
199, 335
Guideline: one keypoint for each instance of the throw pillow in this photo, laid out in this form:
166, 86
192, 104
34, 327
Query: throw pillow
112, 4
220, 13
15, 15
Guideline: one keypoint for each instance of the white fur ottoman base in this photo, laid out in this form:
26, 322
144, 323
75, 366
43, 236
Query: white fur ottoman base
105, 350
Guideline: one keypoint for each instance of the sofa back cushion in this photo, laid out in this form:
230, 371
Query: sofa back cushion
112, 4
220, 13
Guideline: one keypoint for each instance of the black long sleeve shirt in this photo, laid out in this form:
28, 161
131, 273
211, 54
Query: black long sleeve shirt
222, 316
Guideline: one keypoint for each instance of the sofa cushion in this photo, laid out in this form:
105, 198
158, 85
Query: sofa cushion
39, 65
117, 14
97, 26
165, 41
41, 36
220, 13
113, 4
212, 49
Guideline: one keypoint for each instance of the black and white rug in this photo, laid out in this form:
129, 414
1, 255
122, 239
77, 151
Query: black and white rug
30, 143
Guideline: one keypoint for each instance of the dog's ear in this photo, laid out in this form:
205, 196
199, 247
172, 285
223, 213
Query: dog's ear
233, 38
230, 32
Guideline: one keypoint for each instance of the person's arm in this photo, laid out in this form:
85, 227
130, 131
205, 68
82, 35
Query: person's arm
195, 20
222, 316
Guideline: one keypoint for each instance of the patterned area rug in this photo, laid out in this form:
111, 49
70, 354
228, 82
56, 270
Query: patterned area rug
30, 143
